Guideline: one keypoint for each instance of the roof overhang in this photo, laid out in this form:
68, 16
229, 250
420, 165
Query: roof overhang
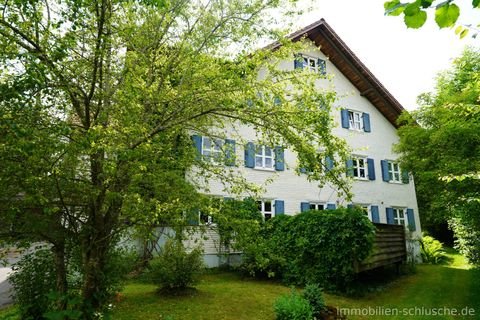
352, 68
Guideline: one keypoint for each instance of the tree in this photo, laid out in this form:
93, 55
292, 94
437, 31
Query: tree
439, 143
98, 102
446, 14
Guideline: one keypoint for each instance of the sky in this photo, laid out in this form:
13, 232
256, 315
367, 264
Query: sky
406, 61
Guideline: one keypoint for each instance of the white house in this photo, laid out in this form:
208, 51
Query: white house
366, 118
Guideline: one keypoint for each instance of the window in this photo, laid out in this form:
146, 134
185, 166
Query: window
206, 219
359, 168
394, 172
317, 206
264, 157
266, 208
355, 120
366, 211
212, 149
213, 206
310, 63
400, 216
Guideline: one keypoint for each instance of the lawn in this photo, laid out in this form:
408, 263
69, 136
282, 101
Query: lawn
228, 296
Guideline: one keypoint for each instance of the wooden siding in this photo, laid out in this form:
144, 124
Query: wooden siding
389, 247
208, 238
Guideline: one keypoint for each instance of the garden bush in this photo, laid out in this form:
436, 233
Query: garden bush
292, 307
176, 269
314, 295
467, 239
33, 281
313, 247
432, 250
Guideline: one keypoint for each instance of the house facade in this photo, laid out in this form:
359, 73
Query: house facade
365, 117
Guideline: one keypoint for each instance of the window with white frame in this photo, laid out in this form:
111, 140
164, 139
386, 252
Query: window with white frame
205, 218
212, 149
310, 63
316, 206
214, 206
366, 210
264, 157
359, 168
400, 216
394, 172
355, 120
266, 208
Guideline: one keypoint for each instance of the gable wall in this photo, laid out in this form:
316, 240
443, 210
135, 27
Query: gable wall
377, 144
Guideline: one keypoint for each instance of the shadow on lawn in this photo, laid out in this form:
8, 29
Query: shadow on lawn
375, 281
382, 279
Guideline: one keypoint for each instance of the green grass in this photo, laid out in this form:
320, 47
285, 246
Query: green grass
218, 296
228, 296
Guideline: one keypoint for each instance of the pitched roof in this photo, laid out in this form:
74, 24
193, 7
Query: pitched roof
348, 63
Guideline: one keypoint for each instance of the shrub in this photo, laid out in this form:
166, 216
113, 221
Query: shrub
292, 307
175, 268
33, 281
467, 240
432, 250
313, 247
314, 295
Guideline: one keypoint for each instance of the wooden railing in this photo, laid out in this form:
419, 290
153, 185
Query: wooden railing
389, 247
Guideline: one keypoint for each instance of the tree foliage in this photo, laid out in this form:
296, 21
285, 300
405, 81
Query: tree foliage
98, 99
446, 14
439, 143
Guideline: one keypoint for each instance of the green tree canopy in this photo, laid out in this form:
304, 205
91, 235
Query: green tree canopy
98, 99
440, 143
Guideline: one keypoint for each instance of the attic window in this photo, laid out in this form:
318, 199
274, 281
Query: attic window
310, 63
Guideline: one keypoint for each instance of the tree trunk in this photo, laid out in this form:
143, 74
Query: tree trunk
94, 289
61, 274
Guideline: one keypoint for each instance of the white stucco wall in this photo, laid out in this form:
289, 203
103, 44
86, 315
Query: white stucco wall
377, 144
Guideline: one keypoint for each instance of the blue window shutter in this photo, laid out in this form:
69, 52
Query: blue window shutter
298, 62
366, 122
331, 206
385, 175
193, 217
304, 206
411, 220
349, 165
390, 219
229, 152
322, 67
345, 121
350, 205
279, 207
197, 141
375, 214
279, 159
250, 155
371, 169
328, 163
405, 177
